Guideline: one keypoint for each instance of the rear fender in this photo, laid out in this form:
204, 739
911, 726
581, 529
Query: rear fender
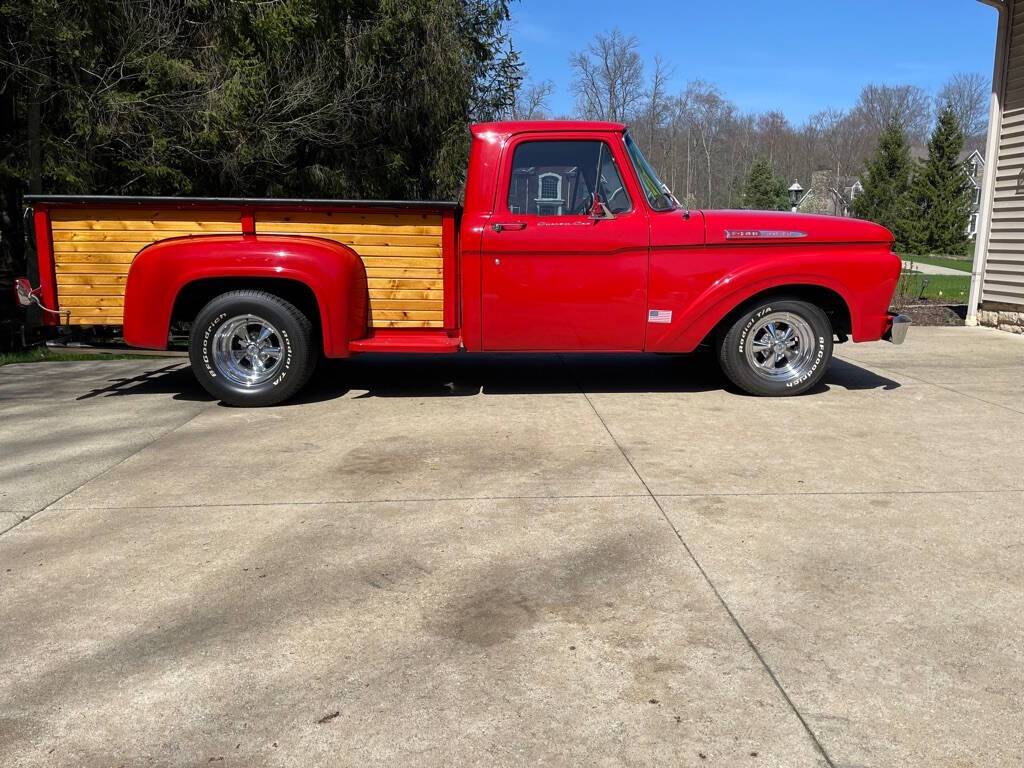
332, 271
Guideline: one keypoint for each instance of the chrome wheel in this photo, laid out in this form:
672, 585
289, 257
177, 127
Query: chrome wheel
780, 346
247, 350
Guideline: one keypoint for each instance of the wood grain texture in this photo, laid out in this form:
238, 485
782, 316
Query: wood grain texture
93, 249
400, 251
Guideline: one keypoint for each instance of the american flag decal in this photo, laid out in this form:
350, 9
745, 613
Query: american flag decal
659, 316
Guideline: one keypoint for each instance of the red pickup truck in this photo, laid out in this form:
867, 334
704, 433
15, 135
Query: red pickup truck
567, 242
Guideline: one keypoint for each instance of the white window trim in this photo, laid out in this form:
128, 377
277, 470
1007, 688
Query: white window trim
558, 188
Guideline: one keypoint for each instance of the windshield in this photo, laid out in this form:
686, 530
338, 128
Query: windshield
657, 194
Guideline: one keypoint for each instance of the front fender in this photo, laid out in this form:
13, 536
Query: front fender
864, 281
333, 272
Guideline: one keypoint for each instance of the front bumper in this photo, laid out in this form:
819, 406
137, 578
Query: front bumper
897, 327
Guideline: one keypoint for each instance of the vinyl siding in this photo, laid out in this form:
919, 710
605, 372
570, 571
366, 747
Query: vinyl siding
1004, 267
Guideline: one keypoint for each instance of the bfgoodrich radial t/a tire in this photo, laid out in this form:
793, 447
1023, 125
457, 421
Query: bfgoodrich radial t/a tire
777, 348
251, 348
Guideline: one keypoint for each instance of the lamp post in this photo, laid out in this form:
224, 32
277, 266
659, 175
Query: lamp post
795, 193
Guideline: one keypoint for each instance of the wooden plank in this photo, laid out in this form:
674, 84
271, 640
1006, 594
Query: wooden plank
85, 280
128, 235
421, 272
409, 324
404, 283
391, 293
390, 239
90, 300
434, 304
118, 246
147, 214
403, 314
96, 311
78, 268
98, 320
346, 217
79, 292
146, 225
399, 261
406, 251
320, 230
93, 258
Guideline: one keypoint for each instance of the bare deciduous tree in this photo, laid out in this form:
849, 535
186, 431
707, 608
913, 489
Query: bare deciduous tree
906, 105
968, 94
531, 102
608, 78
708, 113
772, 127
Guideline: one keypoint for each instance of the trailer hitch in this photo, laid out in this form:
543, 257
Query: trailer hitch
26, 296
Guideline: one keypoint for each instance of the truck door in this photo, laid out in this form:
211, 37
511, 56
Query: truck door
555, 276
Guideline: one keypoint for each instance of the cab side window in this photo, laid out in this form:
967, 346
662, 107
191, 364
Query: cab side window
560, 178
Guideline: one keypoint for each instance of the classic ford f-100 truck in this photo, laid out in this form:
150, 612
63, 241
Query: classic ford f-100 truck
566, 241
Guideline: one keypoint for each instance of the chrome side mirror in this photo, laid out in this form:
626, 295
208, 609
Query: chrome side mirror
600, 212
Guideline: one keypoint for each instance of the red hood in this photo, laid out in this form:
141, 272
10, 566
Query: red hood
779, 226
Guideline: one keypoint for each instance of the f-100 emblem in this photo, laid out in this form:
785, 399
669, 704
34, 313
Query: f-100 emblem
762, 234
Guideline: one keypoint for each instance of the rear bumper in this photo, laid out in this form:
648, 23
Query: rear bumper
896, 328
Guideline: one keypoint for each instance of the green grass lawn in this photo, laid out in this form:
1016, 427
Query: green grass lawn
951, 288
45, 355
953, 262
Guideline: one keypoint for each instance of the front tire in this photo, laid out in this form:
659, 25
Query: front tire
251, 348
777, 348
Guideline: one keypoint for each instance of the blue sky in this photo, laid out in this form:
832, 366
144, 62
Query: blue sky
795, 56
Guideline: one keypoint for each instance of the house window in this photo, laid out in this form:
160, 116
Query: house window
550, 186
560, 178
972, 225
549, 195
974, 170
977, 196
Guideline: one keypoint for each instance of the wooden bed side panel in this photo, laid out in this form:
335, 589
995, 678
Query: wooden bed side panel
402, 254
94, 247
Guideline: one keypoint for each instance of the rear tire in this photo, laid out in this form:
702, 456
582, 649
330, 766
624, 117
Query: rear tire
251, 348
777, 348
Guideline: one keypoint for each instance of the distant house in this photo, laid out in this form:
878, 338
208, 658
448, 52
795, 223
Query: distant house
827, 197
974, 166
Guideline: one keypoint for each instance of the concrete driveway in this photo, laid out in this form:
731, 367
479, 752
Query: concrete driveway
507, 561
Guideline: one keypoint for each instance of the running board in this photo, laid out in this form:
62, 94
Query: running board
408, 342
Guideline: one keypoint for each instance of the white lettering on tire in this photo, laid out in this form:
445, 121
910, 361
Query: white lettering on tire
813, 368
746, 329
206, 344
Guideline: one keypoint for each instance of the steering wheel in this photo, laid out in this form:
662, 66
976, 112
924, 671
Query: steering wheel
611, 198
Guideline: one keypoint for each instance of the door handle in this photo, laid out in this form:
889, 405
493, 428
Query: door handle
514, 226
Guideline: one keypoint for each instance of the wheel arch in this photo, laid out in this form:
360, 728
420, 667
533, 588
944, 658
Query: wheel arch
173, 277
828, 300
193, 296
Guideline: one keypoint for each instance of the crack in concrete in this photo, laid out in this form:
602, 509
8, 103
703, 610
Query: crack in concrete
111, 468
894, 372
711, 584
538, 497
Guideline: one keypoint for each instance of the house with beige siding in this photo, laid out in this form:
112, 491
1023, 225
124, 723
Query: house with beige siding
997, 279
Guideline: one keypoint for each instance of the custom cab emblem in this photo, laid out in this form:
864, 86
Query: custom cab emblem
762, 234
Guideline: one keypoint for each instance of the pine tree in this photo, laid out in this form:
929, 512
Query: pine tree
763, 190
941, 191
886, 198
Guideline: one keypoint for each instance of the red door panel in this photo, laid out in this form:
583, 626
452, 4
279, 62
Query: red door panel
570, 284
555, 279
